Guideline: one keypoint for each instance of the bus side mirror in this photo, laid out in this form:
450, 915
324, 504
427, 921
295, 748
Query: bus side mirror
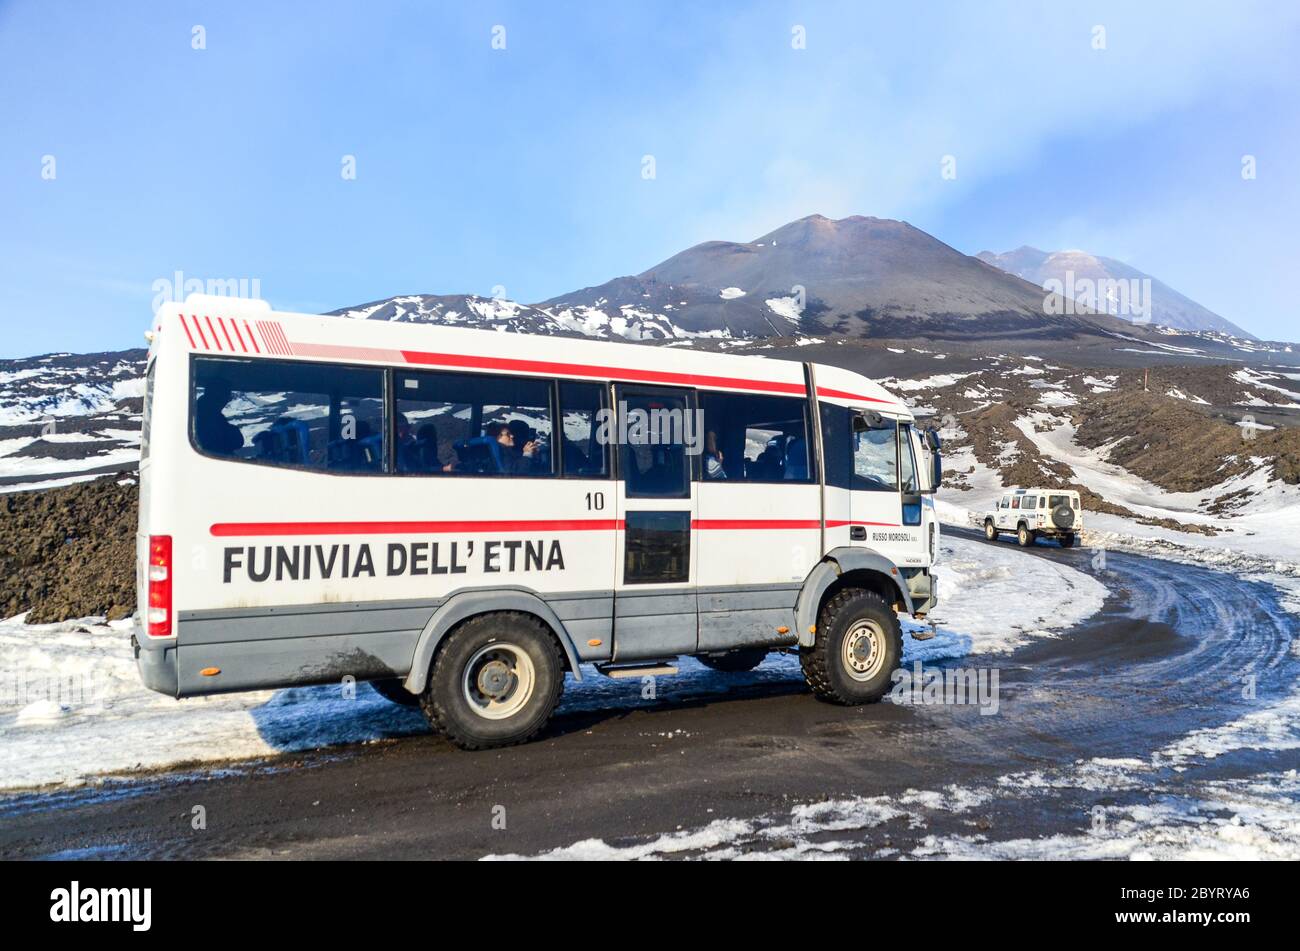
936, 460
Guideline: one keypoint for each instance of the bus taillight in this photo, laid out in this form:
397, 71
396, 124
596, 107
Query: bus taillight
160, 586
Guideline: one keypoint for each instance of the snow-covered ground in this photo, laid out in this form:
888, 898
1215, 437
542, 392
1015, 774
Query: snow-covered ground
72, 707
1250, 818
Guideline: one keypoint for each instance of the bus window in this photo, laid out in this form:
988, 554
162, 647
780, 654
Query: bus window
471, 424
754, 438
584, 448
654, 460
297, 415
907, 460
875, 456
147, 415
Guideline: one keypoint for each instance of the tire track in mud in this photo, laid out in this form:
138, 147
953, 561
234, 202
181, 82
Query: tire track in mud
1166, 656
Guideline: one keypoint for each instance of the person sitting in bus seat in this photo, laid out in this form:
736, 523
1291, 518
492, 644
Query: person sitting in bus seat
424, 452
796, 459
525, 436
713, 457
215, 433
509, 459
404, 444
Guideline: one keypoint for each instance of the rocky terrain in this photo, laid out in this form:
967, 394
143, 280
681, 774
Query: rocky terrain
69, 552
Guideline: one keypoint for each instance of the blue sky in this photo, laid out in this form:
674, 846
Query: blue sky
522, 167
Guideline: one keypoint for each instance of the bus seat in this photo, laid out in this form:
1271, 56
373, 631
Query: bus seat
796, 460
480, 454
286, 441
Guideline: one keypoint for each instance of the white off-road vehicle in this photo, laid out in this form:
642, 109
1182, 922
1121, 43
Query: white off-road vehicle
1036, 513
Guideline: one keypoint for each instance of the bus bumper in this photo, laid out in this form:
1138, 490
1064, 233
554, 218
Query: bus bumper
156, 663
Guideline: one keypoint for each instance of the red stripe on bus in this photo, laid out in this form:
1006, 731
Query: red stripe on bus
261, 329
843, 395
199, 327
228, 529
550, 368
288, 347
229, 342
251, 338
742, 524
215, 338
238, 336
232, 529
841, 523
186, 327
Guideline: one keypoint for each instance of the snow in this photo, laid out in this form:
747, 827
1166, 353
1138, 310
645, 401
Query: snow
937, 381
731, 293
787, 307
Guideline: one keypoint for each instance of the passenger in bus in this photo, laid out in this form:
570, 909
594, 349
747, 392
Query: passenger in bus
405, 446
425, 451
508, 459
713, 457
215, 433
526, 436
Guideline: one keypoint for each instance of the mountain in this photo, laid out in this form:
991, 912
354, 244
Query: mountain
66, 416
858, 276
1081, 271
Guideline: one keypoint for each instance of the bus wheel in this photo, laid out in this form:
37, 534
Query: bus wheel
495, 681
859, 645
734, 662
1067, 540
990, 530
1024, 537
393, 691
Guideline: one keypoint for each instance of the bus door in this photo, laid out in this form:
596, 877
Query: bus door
886, 503
654, 589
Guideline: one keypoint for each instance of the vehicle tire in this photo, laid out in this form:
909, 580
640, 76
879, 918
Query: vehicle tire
495, 681
734, 662
858, 647
1024, 537
1067, 540
990, 530
393, 690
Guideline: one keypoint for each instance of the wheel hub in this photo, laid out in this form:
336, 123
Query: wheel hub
498, 681
864, 652
494, 679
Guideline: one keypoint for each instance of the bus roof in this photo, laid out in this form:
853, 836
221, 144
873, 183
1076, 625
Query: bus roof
240, 327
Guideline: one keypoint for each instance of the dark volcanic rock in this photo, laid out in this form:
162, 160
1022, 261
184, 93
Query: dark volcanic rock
69, 552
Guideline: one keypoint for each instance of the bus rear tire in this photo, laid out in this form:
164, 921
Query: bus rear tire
1024, 537
858, 647
734, 662
495, 681
393, 691
1067, 540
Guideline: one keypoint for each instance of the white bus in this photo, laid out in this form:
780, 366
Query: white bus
464, 517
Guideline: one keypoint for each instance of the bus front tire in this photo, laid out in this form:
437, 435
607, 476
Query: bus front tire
495, 681
859, 645
734, 662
